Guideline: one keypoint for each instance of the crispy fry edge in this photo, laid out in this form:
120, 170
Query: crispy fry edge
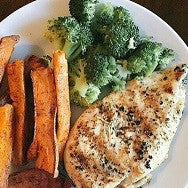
60, 67
16, 82
6, 120
6, 48
45, 116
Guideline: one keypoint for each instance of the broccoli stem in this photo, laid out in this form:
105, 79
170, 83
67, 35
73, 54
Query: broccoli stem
70, 48
77, 51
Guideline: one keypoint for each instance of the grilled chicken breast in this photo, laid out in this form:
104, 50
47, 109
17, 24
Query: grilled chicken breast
120, 140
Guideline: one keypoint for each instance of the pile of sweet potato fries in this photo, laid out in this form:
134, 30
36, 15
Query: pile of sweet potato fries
34, 110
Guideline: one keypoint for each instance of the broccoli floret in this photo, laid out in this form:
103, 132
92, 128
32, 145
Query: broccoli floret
146, 58
143, 39
166, 57
122, 15
81, 92
99, 69
120, 38
121, 34
121, 76
95, 49
69, 36
116, 30
104, 14
83, 10
103, 70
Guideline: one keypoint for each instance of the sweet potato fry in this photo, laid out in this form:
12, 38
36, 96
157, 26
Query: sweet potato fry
34, 178
44, 147
6, 115
33, 63
16, 84
63, 104
6, 48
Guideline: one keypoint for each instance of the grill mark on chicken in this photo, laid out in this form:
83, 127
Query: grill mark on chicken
99, 144
122, 137
81, 165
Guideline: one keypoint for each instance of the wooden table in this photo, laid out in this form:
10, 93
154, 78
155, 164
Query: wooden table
174, 12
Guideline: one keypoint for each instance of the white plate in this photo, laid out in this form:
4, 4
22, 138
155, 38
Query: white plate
30, 21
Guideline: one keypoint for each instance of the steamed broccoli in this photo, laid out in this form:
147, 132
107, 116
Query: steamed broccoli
147, 58
121, 76
81, 92
103, 17
119, 39
83, 10
69, 36
103, 70
166, 57
107, 14
122, 15
95, 49
118, 30
104, 14
88, 76
104, 49
99, 69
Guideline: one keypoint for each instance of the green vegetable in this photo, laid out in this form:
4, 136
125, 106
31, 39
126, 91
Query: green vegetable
88, 76
121, 76
104, 14
81, 92
69, 36
119, 39
119, 32
83, 10
166, 57
103, 70
148, 57
104, 49
99, 69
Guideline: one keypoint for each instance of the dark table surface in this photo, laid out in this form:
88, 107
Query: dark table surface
174, 12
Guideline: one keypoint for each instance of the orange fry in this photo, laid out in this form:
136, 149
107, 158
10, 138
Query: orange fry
16, 84
63, 105
44, 147
6, 114
6, 48
33, 63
